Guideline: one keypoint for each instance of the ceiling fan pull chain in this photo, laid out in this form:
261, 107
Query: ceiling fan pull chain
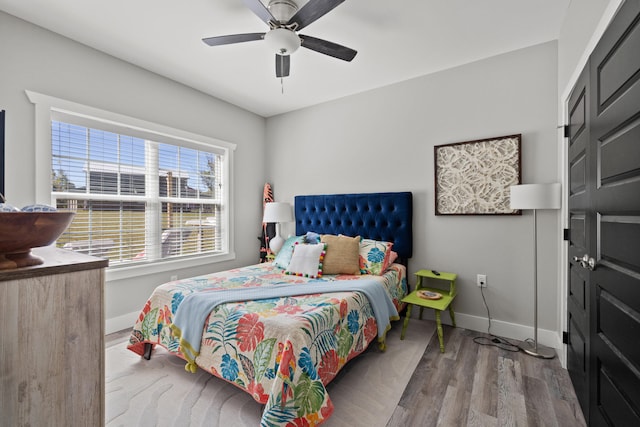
282, 77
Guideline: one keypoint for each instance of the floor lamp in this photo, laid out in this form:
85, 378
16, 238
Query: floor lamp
277, 212
535, 197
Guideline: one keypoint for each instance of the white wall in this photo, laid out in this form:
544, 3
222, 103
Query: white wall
581, 28
38, 60
382, 140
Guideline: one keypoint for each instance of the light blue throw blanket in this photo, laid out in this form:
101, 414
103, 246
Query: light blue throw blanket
195, 308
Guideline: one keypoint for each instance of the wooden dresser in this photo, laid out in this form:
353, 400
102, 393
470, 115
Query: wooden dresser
52, 341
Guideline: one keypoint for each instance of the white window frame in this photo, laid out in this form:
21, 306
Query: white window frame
46, 106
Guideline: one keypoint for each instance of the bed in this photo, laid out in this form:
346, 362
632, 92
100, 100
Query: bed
283, 348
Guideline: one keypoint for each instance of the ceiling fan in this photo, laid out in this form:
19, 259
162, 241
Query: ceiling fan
285, 19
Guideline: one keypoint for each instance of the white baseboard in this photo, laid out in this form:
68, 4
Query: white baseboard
126, 321
499, 328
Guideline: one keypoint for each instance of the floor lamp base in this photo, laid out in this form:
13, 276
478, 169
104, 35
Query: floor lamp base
540, 351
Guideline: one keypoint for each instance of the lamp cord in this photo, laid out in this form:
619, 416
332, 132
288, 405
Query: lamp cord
494, 340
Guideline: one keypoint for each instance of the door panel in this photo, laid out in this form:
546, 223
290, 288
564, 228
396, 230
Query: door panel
578, 224
614, 227
620, 241
578, 110
578, 289
578, 354
619, 153
614, 313
578, 170
616, 69
619, 411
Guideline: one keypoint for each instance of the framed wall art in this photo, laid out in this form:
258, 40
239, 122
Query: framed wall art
473, 177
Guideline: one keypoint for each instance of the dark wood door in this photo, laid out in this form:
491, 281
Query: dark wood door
615, 227
604, 216
579, 191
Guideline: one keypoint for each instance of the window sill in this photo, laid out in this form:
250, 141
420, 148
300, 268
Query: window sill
128, 272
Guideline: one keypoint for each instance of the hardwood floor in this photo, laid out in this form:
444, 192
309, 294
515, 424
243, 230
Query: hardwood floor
116, 337
479, 385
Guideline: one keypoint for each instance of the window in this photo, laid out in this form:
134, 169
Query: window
140, 196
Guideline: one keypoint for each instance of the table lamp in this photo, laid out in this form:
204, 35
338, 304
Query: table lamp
277, 212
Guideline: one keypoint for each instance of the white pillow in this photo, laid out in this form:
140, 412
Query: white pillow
306, 260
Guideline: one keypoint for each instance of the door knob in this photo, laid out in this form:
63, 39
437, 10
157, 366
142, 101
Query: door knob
586, 262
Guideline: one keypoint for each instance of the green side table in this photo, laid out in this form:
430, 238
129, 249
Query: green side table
437, 305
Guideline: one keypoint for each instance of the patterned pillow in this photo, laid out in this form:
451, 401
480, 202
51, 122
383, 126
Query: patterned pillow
284, 255
307, 260
374, 256
343, 254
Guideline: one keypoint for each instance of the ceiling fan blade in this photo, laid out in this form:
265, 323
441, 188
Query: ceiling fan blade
233, 38
311, 11
282, 65
328, 48
261, 10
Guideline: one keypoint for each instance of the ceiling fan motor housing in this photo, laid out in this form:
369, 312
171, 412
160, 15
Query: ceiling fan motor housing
282, 10
282, 41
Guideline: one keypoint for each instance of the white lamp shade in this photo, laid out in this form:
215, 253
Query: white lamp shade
277, 212
535, 196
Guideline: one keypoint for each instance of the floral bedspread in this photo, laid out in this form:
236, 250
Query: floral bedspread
282, 351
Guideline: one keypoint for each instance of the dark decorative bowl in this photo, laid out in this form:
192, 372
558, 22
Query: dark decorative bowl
21, 231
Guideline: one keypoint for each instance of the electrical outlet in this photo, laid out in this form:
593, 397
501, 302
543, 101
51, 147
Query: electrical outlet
174, 277
481, 280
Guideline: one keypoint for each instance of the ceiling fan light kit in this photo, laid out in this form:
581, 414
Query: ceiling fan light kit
285, 19
282, 41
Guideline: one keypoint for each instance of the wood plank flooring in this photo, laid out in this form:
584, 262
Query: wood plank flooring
478, 385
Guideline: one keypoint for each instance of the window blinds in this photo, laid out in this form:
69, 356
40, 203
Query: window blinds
136, 199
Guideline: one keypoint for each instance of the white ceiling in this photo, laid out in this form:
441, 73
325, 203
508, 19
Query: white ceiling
395, 40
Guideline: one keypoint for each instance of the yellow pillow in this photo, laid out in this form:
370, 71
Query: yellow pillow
342, 254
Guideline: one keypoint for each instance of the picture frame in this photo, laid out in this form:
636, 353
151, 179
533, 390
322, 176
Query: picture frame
474, 177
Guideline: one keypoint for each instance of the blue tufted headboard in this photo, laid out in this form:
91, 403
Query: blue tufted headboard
378, 216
